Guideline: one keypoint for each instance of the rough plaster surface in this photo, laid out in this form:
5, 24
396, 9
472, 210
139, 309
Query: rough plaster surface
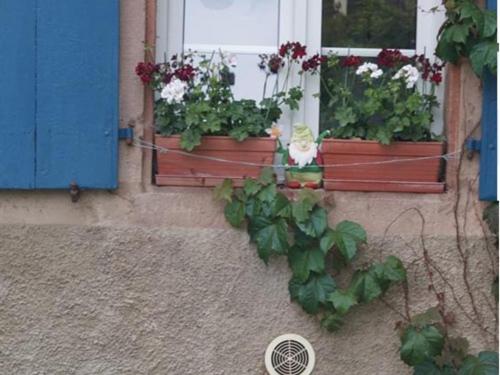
99, 300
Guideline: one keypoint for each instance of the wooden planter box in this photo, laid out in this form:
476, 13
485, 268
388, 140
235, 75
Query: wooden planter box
175, 169
418, 176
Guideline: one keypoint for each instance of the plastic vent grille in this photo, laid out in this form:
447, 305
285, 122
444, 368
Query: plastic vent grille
290, 355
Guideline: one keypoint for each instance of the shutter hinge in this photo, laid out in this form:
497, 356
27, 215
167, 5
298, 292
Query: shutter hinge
472, 145
126, 134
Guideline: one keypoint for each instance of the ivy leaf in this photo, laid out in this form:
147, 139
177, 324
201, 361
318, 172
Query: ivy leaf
266, 176
342, 301
365, 286
270, 236
316, 224
303, 262
235, 213
473, 12
312, 294
332, 322
483, 55
490, 23
447, 51
280, 206
267, 194
457, 33
486, 363
419, 345
224, 191
251, 187
394, 269
346, 236
430, 368
307, 199
252, 207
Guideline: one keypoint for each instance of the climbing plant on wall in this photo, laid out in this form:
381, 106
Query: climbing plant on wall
471, 32
295, 225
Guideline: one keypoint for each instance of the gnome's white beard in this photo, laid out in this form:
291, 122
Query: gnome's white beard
303, 158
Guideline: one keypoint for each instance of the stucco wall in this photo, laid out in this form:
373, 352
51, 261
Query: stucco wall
150, 280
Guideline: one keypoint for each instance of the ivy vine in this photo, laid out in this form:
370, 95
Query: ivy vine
297, 227
469, 31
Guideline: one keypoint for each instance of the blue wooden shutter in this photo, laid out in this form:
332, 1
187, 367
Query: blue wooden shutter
488, 163
63, 105
17, 93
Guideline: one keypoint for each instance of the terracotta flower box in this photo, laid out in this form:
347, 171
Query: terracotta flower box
174, 169
414, 176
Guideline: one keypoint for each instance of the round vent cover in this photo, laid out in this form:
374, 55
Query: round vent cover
290, 355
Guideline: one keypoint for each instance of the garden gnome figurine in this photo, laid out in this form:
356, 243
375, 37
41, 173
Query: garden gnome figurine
304, 159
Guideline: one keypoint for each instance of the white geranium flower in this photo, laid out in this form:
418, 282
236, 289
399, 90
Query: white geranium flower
409, 73
369, 68
377, 73
174, 91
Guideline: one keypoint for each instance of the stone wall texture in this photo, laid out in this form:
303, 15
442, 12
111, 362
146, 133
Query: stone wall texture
150, 280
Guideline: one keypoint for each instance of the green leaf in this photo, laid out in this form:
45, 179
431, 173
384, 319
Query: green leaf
306, 201
251, 187
224, 191
280, 206
394, 269
267, 194
484, 55
472, 11
430, 368
316, 224
270, 236
419, 345
490, 23
327, 241
484, 364
235, 213
266, 176
457, 33
345, 116
314, 293
447, 51
332, 322
303, 262
347, 235
343, 301
365, 286
190, 139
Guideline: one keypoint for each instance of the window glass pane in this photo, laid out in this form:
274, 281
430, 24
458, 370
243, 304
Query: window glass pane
231, 22
369, 23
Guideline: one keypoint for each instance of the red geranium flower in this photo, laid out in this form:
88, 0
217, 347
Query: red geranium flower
437, 78
313, 63
295, 50
145, 71
185, 73
351, 61
390, 58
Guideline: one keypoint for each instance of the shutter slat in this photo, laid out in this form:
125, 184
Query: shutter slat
17, 94
77, 94
488, 163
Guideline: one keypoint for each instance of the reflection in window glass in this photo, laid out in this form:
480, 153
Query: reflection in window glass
369, 23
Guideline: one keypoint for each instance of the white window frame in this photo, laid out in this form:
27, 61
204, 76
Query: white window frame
301, 20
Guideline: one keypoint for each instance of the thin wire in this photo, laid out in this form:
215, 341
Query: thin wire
150, 146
